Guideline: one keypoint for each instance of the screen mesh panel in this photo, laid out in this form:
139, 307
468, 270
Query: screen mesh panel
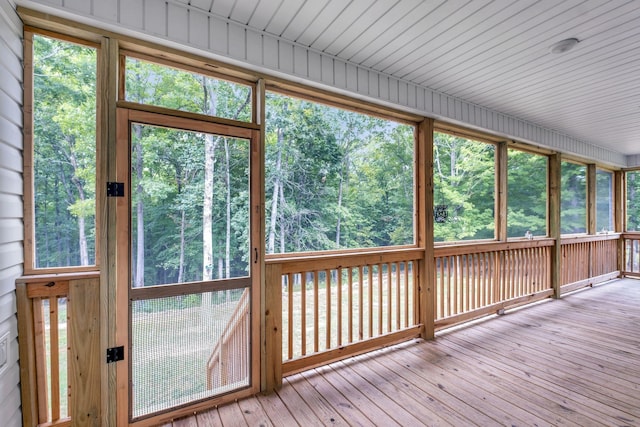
187, 348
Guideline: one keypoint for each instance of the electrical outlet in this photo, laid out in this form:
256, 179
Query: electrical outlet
4, 352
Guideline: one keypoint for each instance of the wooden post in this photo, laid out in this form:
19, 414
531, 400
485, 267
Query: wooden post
553, 218
85, 356
591, 214
273, 328
619, 212
501, 191
591, 199
108, 89
424, 227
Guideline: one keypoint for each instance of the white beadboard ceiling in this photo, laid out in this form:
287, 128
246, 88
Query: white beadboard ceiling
490, 53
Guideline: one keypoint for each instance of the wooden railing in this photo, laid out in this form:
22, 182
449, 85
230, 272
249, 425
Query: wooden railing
474, 280
229, 360
588, 260
338, 305
58, 321
631, 253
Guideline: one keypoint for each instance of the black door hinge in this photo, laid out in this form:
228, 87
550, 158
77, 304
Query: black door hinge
115, 354
115, 189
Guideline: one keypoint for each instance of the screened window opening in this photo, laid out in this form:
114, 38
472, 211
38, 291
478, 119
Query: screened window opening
573, 204
633, 200
154, 84
526, 194
64, 153
464, 188
336, 179
177, 176
604, 201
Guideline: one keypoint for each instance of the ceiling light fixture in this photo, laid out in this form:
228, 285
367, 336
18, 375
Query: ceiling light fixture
563, 45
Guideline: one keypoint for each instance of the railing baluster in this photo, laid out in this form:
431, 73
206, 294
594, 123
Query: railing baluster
339, 273
290, 283
316, 313
54, 348
327, 274
303, 312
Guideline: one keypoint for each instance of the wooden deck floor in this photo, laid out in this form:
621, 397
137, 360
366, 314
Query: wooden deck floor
575, 361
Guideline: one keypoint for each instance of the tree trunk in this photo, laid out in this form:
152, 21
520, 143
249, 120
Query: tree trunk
139, 274
227, 246
276, 193
182, 244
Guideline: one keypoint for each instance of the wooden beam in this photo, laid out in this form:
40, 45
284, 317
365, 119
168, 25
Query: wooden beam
591, 198
273, 329
619, 213
501, 192
108, 90
424, 226
553, 218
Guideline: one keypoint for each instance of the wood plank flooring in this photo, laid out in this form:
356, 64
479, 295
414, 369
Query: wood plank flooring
570, 362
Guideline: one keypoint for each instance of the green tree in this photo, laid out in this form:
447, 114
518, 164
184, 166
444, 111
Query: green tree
64, 152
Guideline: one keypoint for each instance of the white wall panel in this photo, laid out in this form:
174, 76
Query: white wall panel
327, 69
219, 33
198, 29
131, 13
106, 9
11, 226
238, 42
300, 62
178, 25
270, 53
155, 17
255, 48
285, 57
82, 6
352, 78
315, 65
232, 40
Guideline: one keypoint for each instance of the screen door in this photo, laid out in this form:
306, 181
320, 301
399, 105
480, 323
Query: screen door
189, 275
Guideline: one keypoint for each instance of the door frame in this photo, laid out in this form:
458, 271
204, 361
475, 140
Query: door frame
122, 268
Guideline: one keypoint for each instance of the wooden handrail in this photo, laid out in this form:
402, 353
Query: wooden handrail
237, 331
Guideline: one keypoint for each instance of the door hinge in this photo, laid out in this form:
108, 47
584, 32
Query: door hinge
115, 354
115, 189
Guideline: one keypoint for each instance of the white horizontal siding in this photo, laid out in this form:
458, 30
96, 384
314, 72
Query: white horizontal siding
227, 39
11, 225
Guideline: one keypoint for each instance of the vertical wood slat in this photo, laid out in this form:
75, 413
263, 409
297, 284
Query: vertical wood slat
290, 283
360, 303
41, 362
316, 313
380, 298
303, 313
54, 355
350, 304
370, 302
339, 306
327, 274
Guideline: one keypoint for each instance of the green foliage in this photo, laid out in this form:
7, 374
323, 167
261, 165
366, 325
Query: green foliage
604, 200
64, 166
633, 200
464, 180
526, 194
573, 203
344, 180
